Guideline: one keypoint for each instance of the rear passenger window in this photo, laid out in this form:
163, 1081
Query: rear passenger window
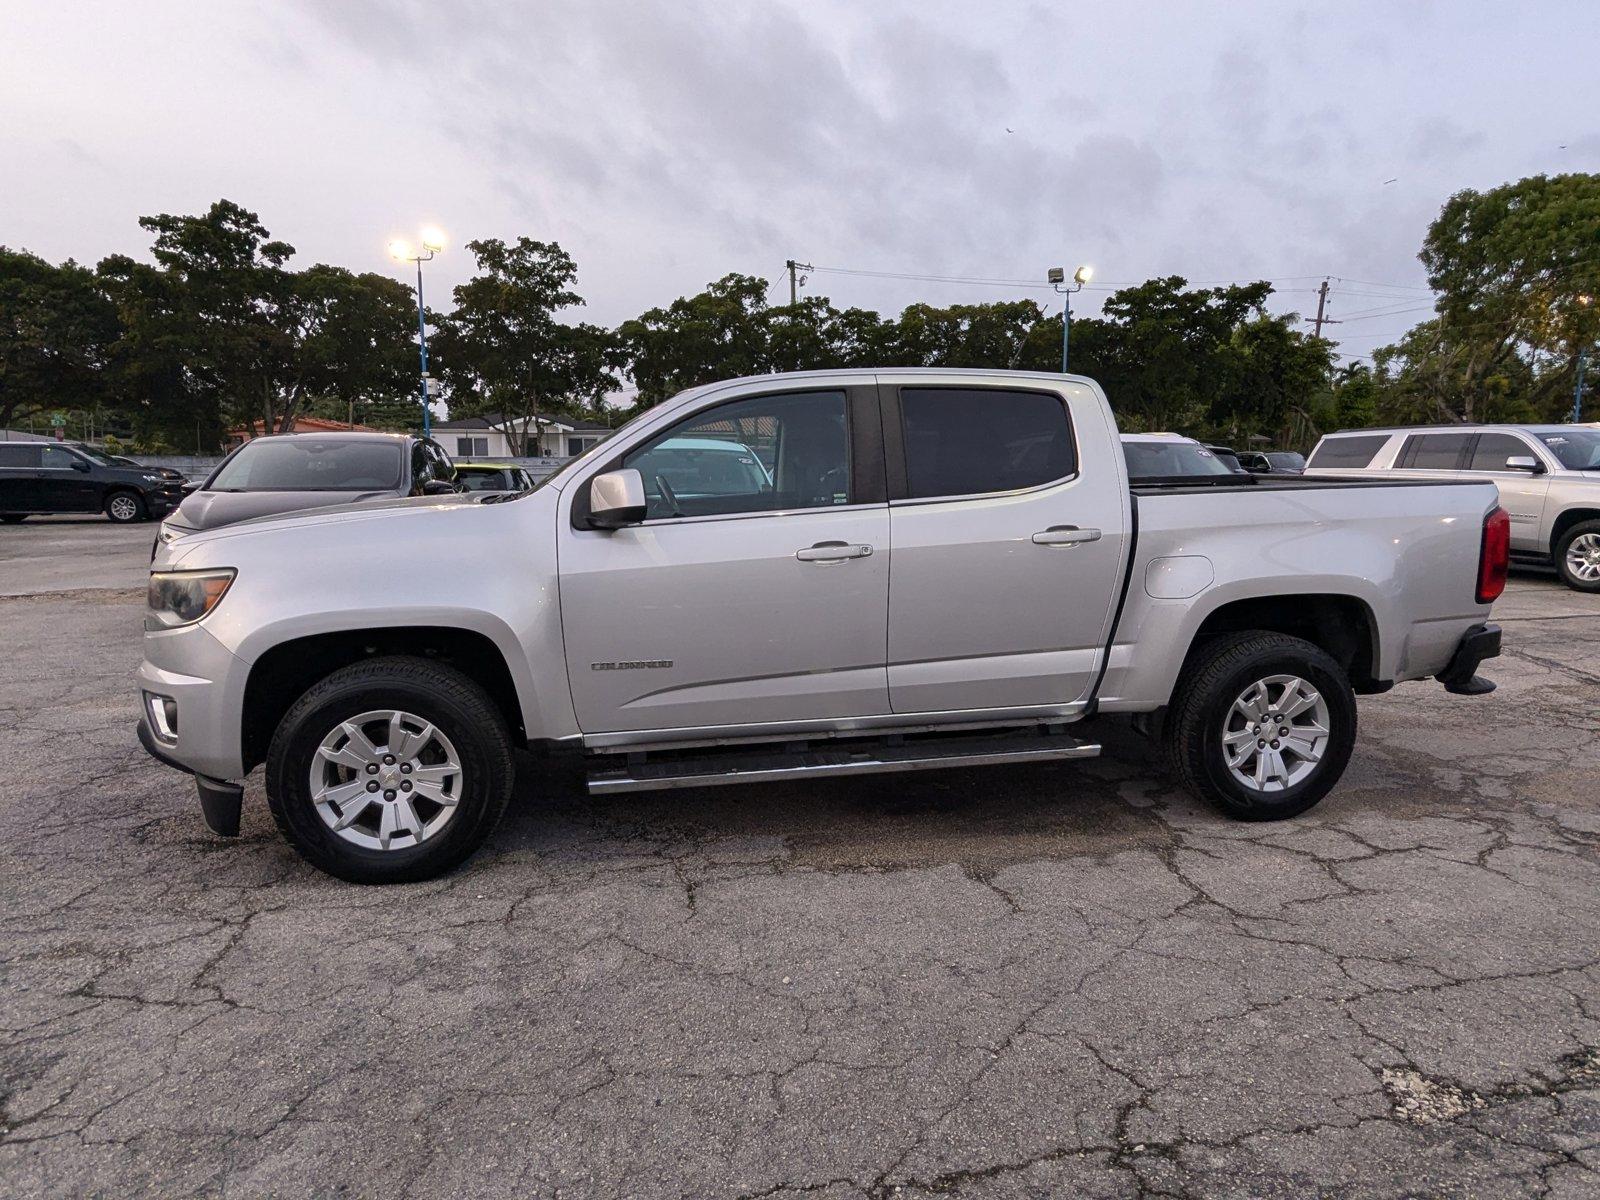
968, 441
1434, 451
19, 455
1350, 452
1493, 450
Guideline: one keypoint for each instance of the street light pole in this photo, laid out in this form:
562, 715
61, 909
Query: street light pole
432, 243
1577, 392
1057, 278
1583, 361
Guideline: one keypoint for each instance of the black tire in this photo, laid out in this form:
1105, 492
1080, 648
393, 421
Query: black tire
439, 694
120, 511
13, 518
1564, 544
1214, 678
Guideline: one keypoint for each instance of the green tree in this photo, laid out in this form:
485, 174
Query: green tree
1514, 268
222, 327
720, 333
56, 334
504, 352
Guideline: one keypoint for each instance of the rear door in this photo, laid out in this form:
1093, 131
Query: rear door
756, 589
1006, 549
1434, 455
1522, 493
19, 476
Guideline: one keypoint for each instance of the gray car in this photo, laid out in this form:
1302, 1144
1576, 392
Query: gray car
1548, 476
293, 471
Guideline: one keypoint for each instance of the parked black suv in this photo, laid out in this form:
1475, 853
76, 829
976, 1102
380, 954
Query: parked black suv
67, 477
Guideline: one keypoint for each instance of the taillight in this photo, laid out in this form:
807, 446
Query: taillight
1494, 556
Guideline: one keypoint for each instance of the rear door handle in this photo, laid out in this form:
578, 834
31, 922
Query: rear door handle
1065, 535
832, 552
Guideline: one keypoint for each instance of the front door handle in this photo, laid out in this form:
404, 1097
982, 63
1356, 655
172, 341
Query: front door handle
1065, 535
832, 552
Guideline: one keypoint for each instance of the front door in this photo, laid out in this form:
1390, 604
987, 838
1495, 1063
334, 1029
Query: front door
756, 588
1007, 548
65, 482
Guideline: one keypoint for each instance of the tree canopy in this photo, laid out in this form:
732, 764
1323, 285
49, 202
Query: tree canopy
216, 327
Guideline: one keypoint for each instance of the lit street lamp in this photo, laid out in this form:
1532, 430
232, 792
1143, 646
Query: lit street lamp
1057, 278
402, 251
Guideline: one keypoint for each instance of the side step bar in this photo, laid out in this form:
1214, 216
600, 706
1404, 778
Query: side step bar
777, 765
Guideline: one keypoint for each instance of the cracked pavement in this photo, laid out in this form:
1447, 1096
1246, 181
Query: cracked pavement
1027, 981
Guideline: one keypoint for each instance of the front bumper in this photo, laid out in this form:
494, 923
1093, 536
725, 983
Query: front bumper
1460, 677
205, 683
220, 801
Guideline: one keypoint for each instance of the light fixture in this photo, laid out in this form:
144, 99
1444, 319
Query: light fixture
1083, 274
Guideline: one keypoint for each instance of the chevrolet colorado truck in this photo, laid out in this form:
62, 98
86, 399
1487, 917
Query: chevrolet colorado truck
797, 576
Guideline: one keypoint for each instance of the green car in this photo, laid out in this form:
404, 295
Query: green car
492, 477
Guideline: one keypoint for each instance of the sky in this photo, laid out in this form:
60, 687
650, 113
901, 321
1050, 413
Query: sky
667, 144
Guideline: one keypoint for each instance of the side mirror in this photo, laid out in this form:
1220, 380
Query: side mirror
1525, 462
79, 464
438, 487
616, 498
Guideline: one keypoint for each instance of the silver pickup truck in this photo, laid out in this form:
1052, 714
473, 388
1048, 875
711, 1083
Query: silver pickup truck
797, 576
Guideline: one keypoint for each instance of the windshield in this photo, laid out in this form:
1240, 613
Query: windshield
485, 481
298, 463
1578, 449
105, 460
1169, 460
1287, 459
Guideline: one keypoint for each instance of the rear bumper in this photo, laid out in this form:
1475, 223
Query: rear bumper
1461, 676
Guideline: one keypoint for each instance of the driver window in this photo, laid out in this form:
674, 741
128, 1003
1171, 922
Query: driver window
764, 454
59, 457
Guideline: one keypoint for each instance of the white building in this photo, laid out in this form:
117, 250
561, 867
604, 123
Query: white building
487, 437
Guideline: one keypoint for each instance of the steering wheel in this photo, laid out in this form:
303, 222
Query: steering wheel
668, 495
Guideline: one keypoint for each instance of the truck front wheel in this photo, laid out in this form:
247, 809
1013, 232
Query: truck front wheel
390, 771
1262, 725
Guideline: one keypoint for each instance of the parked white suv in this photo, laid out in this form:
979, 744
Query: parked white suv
1548, 476
794, 577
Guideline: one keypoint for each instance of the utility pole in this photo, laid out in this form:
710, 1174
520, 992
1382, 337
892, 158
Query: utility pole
796, 279
1322, 305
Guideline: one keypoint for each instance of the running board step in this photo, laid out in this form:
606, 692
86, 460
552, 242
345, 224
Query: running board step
869, 759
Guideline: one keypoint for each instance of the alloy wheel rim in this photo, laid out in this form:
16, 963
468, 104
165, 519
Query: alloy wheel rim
123, 507
386, 780
1275, 733
1583, 557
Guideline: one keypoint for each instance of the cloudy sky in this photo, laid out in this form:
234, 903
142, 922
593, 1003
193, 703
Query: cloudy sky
666, 144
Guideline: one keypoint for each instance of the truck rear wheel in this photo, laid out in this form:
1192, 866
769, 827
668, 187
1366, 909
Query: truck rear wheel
1578, 557
1262, 725
392, 770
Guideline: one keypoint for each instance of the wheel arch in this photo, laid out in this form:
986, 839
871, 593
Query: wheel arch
1564, 522
1342, 625
281, 673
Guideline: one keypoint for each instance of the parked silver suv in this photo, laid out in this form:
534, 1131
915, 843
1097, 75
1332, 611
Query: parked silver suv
1548, 476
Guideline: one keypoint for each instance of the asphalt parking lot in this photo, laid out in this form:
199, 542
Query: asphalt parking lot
1035, 981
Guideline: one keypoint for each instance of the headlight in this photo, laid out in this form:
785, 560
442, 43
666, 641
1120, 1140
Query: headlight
183, 597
